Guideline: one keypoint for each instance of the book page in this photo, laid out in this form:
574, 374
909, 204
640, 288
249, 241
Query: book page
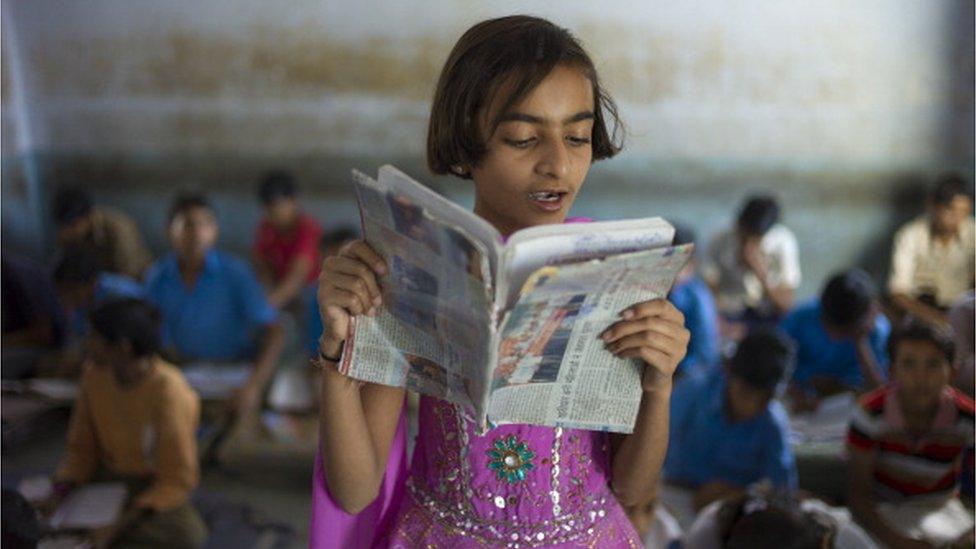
535, 247
552, 368
90, 506
431, 334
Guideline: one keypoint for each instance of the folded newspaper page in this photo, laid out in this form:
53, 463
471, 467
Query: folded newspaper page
508, 331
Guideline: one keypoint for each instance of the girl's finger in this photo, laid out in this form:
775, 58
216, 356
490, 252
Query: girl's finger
656, 359
655, 324
364, 252
358, 286
355, 267
347, 300
657, 307
652, 340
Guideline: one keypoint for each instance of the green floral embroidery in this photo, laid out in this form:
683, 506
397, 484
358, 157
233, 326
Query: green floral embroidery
511, 459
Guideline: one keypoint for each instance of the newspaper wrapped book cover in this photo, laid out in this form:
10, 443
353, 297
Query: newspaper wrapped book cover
507, 330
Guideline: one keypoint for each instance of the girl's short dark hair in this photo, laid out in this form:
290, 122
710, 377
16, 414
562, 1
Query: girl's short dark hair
128, 319
913, 329
519, 50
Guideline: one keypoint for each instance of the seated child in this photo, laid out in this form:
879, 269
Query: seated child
286, 246
840, 340
110, 235
907, 441
932, 259
754, 267
213, 308
694, 299
727, 429
134, 422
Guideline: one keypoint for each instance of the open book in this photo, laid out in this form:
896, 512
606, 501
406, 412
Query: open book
90, 506
506, 330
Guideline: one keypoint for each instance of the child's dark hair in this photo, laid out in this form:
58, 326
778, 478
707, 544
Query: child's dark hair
519, 50
947, 187
77, 267
758, 214
848, 297
276, 184
337, 236
774, 520
70, 204
916, 330
185, 202
128, 319
764, 359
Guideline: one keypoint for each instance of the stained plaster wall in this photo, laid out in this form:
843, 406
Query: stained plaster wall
842, 108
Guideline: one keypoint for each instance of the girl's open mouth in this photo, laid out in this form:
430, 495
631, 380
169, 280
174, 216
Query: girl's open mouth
548, 201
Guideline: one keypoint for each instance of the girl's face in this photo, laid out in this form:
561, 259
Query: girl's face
539, 155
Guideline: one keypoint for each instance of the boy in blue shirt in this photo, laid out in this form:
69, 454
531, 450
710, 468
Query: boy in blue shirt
212, 305
694, 299
840, 340
727, 429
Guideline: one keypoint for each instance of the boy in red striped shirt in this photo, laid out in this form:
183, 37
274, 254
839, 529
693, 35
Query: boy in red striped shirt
907, 441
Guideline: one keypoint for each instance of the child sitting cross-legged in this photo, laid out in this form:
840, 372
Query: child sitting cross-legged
907, 441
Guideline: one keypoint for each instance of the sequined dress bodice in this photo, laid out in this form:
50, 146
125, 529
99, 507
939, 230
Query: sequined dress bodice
516, 486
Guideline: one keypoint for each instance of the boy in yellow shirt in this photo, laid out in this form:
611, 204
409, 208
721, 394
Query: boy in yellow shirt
134, 421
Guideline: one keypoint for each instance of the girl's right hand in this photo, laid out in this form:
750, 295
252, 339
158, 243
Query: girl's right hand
347, 287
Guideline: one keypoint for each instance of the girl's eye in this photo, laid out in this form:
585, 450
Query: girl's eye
520, 143
578, 141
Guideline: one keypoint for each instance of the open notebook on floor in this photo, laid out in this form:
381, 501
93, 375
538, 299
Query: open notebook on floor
90, 506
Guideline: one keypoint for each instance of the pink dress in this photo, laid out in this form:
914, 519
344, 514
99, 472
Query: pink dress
517, 486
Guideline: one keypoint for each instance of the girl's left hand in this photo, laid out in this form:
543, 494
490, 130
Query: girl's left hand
653, 331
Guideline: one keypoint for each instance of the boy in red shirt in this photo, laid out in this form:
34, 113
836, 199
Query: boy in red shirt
286, 244
907, 442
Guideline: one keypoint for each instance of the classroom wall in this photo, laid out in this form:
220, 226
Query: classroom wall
842, 108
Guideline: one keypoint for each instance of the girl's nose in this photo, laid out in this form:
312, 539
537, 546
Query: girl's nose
555, 160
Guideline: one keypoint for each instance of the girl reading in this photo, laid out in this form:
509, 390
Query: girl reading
520, 112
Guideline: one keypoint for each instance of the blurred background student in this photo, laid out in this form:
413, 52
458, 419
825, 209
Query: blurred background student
907, 443
214, 311
134, 422
840, 340
754, 266
110, 235
286, 245
933, 256
728, 430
